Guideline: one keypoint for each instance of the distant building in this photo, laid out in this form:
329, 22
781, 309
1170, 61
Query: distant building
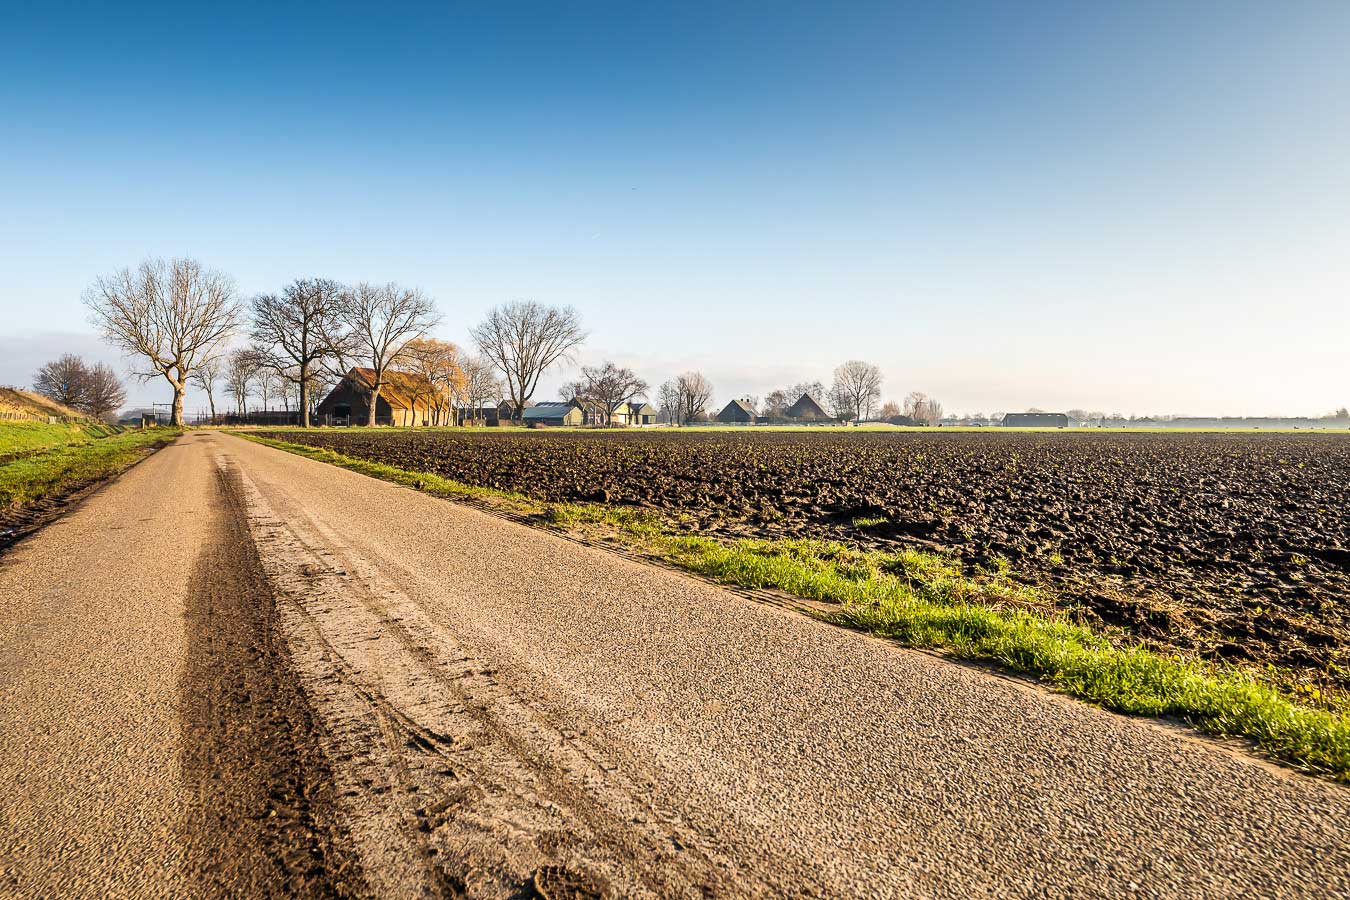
506, 411
404, 399
577, 411
636, 413
737, 412
806, 409
555, 413
490, 415
1035, 420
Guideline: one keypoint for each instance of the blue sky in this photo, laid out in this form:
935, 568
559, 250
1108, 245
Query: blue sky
1141, 207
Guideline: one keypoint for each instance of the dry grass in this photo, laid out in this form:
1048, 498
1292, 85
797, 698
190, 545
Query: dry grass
14, 400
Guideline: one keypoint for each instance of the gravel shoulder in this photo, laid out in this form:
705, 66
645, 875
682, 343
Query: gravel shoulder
528, 709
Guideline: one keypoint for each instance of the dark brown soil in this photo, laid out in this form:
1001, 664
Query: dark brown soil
263, 791
1233, 545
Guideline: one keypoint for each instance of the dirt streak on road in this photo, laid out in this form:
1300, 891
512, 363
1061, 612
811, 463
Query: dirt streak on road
509, 711
152, 740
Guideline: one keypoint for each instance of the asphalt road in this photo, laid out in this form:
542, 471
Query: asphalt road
450, 704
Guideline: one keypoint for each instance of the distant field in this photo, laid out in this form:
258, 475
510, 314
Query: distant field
1233, 545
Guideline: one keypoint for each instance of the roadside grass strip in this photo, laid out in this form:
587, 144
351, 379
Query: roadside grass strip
44, 472
22, 438
926, 601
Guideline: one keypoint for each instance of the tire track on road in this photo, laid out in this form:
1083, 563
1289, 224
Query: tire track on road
453, 782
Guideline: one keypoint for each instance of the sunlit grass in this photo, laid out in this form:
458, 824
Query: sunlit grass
18, 438
52, 468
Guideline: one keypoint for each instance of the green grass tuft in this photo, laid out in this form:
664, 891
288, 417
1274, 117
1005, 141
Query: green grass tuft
924, 601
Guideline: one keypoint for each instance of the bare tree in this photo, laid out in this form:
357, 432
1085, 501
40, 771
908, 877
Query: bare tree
382, 320
241, 367
480, 385
65, 380
857, 388
104, 393
922, 408
523, 340
840, 404
296, 330
668, 397
94, 390
206, 376
695, 392
890, 409
609, 386
267, 380
169, 314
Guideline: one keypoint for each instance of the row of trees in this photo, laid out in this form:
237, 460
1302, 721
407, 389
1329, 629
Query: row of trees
93, 390
176, 319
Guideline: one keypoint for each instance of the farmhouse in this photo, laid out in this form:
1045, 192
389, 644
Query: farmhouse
587, 412
636, 413
737, 412
506, 411
405, 399
1035, 420
481, 415
806, 409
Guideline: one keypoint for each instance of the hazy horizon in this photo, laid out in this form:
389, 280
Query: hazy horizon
1142, 211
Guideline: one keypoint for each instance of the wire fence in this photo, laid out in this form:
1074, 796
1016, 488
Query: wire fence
17, 416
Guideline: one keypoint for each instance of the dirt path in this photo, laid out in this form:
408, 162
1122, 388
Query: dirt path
425, 701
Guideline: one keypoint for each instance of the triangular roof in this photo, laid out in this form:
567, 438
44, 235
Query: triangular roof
398, 388
738, 404
806, 407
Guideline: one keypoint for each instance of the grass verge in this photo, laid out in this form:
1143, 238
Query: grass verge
43, 471
924, 600
22, 438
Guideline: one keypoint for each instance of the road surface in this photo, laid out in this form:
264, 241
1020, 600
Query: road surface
238, 671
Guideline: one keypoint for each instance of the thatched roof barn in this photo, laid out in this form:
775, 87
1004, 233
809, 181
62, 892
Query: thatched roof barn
405, 399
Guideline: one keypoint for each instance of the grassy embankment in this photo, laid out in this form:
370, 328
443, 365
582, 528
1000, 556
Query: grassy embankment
39, 460
924, 600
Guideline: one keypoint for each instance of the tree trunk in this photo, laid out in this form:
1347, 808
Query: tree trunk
177, 420
304, 396
374, 402
210, 399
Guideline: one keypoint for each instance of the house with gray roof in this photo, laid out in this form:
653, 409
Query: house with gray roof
737, 412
